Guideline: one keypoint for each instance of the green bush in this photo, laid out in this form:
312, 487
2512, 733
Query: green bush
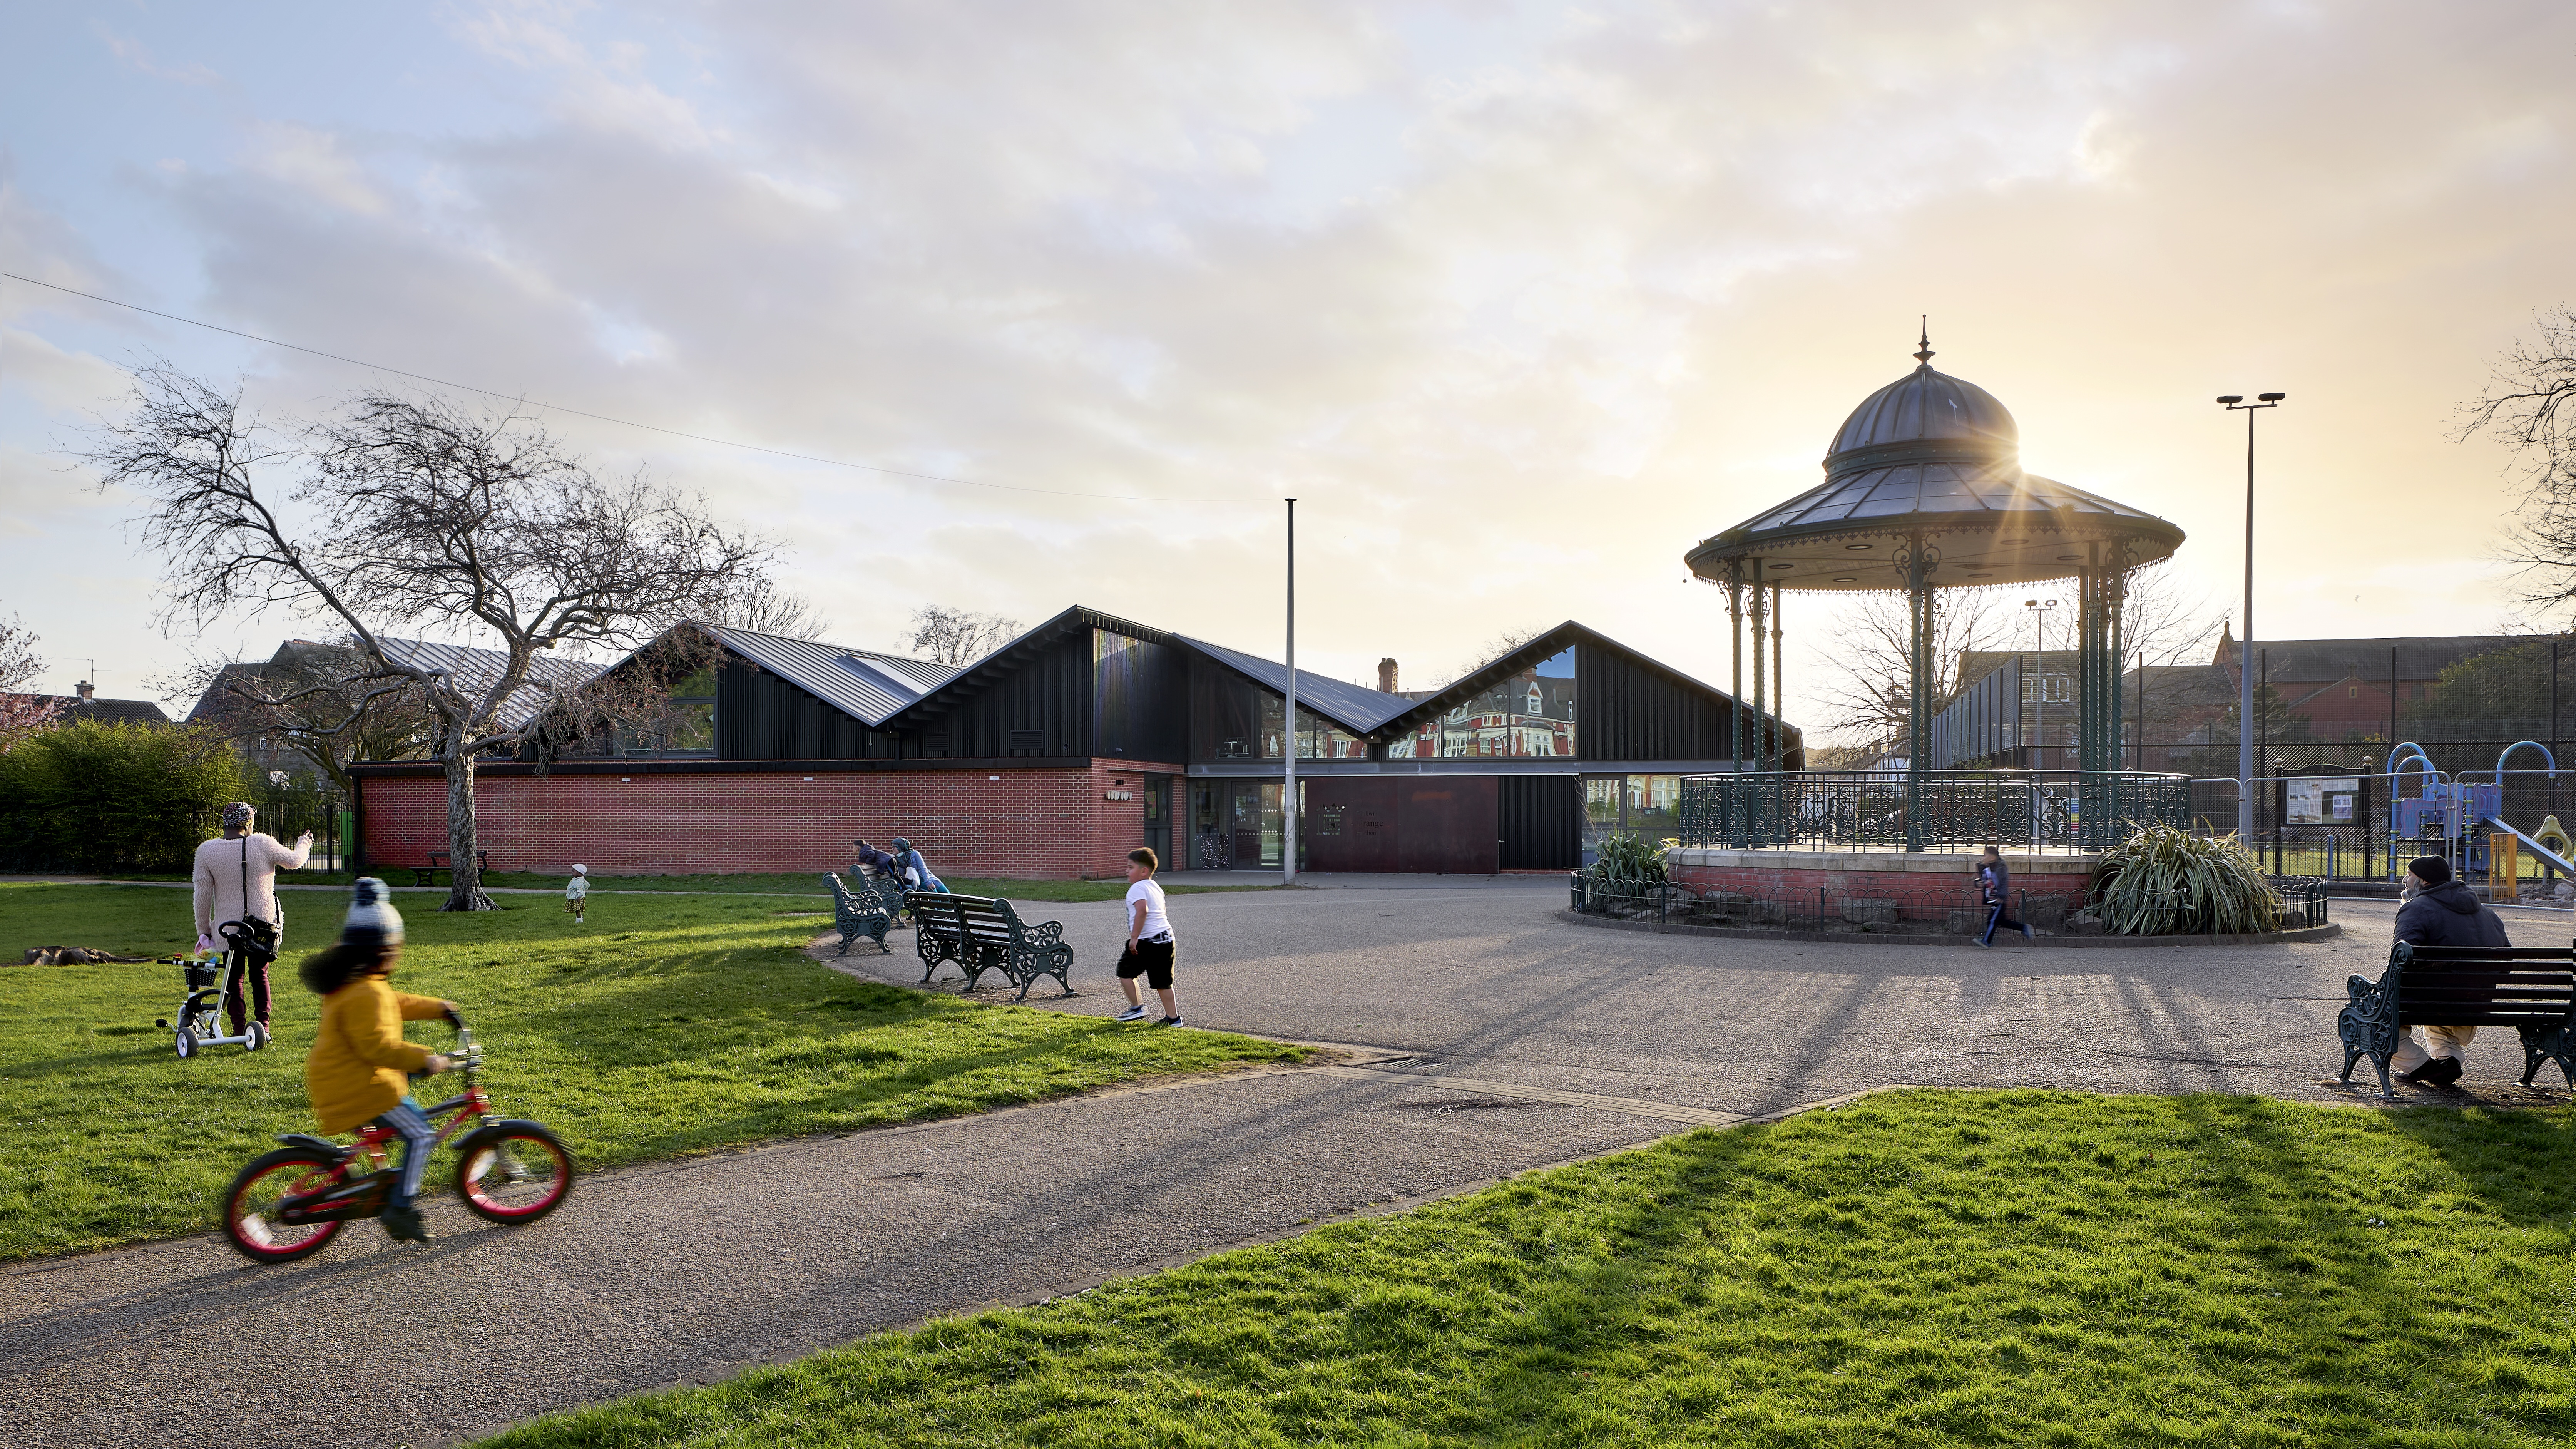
1630, 856
94, 796
2167, 882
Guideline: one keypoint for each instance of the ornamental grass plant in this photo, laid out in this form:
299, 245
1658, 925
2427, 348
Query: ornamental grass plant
2167, 882
1630, 856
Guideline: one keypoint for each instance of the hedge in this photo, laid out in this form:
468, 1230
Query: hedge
101, 797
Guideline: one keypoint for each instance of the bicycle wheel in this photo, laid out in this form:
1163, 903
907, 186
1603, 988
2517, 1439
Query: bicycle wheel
251, 1204
513, 1172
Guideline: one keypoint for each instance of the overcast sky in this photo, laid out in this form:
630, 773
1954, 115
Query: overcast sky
1519, 301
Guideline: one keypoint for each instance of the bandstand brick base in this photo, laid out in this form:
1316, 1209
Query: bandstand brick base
1925, 886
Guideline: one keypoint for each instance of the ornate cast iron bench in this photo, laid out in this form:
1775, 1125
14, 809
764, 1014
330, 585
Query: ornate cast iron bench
2531, 989
859, 911
982, 933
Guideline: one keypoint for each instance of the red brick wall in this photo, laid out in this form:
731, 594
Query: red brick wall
1023, 824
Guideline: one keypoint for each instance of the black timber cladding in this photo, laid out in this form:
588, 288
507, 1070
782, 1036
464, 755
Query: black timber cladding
1041, 707
1627, 708
760, 716
1141, 699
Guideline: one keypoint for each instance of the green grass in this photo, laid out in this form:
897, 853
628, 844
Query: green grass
1922, 1268
664, 1027
794, 883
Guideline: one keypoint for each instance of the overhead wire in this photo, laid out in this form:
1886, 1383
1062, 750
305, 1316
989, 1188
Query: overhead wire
521, 400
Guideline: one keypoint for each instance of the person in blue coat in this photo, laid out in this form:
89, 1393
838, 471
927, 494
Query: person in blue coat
912, 870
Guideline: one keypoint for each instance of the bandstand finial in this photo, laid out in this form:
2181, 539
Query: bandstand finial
1924, 354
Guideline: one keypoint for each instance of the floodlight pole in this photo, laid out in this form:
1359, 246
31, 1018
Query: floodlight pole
2236, 403
1288, 774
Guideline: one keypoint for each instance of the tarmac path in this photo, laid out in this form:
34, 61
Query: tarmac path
1484, 1037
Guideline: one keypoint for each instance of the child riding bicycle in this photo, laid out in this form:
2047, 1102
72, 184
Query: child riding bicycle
355, 1073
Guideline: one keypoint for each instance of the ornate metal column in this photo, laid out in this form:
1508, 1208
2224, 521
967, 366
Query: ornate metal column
1779, 688
1735, 657
1761, 710
1918, 654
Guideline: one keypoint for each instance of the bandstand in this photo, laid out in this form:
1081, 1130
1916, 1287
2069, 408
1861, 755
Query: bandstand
1924, 493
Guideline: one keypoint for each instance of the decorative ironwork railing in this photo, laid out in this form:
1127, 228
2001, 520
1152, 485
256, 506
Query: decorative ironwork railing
2069, 810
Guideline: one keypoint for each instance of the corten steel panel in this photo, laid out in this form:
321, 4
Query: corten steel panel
1540, 819
1446, 827
760, 716
1051, 694
1141, 699
1350, 824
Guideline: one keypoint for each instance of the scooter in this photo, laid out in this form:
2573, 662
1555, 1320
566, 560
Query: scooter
201, 1015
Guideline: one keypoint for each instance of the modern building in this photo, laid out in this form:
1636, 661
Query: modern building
1086, 736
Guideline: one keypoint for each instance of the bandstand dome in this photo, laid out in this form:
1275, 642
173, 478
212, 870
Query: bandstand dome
1934, 461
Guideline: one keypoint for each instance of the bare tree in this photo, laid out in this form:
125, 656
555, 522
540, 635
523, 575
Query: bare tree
325, 703
2529, 405
1869, 695
424, 515
1502, 643
2170, 641
21, 714
959, 636
763, 607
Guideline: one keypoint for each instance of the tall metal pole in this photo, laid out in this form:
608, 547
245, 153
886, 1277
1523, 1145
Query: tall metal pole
1288, 775
2244, 668
2236, 403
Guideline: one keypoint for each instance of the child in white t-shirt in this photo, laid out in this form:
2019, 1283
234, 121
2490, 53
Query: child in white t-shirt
1149, 941
577, 892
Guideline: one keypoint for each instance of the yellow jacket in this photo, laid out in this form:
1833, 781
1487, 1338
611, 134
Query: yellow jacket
359, 1055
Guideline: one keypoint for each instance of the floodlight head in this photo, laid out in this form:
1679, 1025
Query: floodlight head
2270, 396
2231, 399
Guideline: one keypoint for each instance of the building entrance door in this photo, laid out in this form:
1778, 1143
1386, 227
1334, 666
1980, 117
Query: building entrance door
1257, 824
1158, 819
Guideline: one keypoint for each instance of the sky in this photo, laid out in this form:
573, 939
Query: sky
1518, 301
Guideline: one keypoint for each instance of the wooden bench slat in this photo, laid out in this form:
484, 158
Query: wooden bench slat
2529, 988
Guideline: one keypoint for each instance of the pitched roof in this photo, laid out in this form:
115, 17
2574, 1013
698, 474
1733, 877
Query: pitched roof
476, 669
863, 683
1544, 646
2323, 661
1356, 708
110, 711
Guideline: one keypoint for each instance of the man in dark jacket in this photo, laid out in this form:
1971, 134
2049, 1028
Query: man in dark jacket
2442, 911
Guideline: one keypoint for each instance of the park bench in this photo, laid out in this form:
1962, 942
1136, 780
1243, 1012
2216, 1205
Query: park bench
2531, 989
982, 933
427, 875
860, 912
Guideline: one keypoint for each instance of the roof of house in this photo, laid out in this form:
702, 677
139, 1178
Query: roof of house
1354, 707
108, 711
2323, 661
1431, 706
870, 686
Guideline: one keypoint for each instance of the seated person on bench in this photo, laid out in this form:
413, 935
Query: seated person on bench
2440, 911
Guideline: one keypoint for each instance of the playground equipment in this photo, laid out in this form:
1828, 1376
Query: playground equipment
2450, 813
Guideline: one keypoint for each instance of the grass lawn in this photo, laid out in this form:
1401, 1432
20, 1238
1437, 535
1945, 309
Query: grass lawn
1921, 1268
665, 1027
796, 883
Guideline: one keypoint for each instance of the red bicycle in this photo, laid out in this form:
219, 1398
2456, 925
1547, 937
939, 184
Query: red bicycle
290, 1203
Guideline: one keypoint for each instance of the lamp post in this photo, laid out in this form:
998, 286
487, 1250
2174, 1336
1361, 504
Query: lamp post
1288, 772
2236, 403
2039, 726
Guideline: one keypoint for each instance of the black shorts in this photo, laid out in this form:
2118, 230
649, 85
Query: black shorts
1149, 959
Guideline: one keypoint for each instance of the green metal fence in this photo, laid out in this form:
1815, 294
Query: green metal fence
2048, 810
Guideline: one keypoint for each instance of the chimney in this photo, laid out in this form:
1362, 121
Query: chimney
84, 689
1386, 676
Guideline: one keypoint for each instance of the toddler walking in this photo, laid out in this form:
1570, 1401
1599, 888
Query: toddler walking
577, 892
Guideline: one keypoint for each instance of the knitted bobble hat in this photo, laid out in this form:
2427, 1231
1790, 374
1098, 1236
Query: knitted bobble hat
372, 919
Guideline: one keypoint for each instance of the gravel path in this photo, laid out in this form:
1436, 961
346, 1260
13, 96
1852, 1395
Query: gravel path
1489, 1038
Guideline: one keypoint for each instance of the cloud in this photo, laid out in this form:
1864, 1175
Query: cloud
1520, 301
